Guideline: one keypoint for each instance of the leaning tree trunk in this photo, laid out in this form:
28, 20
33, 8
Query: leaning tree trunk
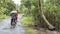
43, 16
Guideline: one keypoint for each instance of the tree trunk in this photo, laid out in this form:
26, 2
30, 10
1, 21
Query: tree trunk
43, 16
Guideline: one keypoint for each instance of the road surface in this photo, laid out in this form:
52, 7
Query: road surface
5, 27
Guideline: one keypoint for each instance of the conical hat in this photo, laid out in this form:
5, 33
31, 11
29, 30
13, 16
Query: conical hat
14, 12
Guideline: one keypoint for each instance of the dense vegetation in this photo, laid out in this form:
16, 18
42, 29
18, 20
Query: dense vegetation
32, 11
51, 11
6, 6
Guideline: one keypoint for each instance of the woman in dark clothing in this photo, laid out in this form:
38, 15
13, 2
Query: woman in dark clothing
14, 16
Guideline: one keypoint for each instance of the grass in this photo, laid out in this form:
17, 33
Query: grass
28, 21
2, 17
30, 31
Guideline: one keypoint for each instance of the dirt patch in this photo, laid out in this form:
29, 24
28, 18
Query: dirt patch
39, 30
44, 31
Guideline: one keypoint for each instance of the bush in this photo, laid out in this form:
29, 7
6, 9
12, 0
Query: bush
28, 21
2, 17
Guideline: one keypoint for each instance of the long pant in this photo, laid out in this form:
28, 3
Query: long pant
13, 20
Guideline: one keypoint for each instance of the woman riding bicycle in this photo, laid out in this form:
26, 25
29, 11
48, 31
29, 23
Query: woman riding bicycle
14, 16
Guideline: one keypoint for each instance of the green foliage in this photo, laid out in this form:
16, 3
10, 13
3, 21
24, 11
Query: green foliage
6, 6
51, 10
27, 21
2, 17
29, 4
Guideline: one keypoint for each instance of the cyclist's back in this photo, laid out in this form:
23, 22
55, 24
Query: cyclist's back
13, 16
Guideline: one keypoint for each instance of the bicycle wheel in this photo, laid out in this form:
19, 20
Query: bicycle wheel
13, 24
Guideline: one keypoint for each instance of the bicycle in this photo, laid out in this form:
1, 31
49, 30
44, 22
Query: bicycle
13, 23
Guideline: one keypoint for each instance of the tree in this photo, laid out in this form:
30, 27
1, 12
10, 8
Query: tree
6, 6
43, 16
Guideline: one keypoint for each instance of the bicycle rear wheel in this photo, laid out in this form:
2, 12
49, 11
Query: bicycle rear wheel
13, 23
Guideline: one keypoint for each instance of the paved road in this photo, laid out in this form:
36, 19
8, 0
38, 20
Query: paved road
5, 27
